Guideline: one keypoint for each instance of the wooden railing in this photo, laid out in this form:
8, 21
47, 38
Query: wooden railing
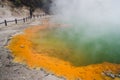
22, 19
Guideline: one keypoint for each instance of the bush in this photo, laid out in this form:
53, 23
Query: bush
17, 3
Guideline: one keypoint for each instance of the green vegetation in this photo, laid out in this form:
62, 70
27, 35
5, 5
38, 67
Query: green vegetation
43, 4
17, 3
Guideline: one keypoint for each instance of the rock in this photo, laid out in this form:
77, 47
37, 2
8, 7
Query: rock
112, 76
22, 46
50, 77
15, 68
118, 75
9, 57
8, 65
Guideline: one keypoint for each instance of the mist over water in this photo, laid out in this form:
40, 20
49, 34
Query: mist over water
94, 32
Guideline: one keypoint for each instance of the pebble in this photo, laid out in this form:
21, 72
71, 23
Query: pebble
22, 46
110, 74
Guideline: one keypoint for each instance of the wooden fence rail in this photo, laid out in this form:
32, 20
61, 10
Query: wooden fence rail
23, 19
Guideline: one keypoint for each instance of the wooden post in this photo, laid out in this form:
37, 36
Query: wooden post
5, 23
29, 18
15, 21
34, 16
24, 20
37, 16
31, 12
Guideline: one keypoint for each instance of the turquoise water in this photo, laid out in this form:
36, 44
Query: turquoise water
73, 45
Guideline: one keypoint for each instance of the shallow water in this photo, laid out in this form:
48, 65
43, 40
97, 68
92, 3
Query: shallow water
69, 45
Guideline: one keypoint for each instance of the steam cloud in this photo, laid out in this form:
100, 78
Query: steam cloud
95, 27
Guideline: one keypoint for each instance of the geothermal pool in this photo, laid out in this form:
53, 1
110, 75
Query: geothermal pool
66, 44
82, 50
56, 50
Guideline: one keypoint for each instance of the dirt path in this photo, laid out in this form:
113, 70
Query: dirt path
16, 71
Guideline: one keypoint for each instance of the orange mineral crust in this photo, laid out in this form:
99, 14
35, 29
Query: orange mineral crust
23, 52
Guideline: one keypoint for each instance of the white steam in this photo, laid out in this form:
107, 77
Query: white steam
95, 27
97, 16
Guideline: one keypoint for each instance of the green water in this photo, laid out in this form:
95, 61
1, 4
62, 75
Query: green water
73, 46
